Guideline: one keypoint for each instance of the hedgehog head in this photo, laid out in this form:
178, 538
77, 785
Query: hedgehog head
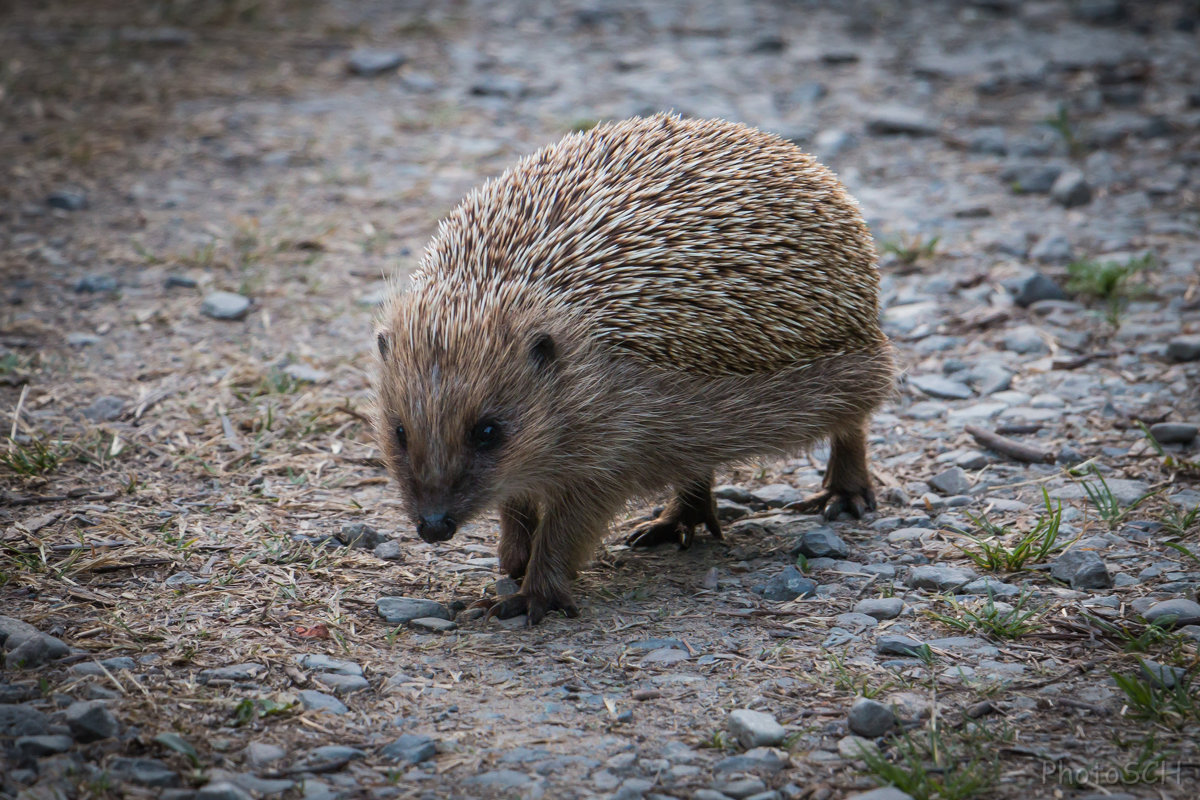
457, 386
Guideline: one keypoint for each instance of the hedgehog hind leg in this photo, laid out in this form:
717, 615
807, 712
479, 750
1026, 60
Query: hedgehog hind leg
692, 505
847, 484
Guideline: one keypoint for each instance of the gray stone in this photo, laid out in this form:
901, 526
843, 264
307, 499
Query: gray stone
67, 200
821, 542
1081, 569
330, 757
710, 794
406, 609
90, 720
221, 790
952, 481
360, 535
939, 577
740, 788
832, 142
115, 664
260, 754
1126, 491
777, 495
754, 728
225, 305
760, 759
182, 579
1173, 432
988, 378
940, 387
143, 771
665, 656
389, 550
13, 632
897, 645
179, 282
303, 372
870, 718
1176, 612
1025, 340
410, 748
34, 652
323, 663
233, 672
44, 745
433, 624
901, 121
1070, 189
500, 780
1163, 675
1030, 177
1038, 287
1052, 249
1184, 348
21, 720
989, 586
96, 284
369, 61
880, 607
341, 684
319, 701
788, 585
104, 409
884, 793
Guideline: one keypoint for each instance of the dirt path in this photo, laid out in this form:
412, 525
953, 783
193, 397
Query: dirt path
177, 495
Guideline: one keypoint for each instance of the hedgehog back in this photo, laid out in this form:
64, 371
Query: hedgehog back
703, 246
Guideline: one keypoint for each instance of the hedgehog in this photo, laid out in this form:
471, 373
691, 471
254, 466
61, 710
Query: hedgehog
621, 314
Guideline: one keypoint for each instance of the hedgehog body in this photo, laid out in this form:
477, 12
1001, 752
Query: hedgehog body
623, 311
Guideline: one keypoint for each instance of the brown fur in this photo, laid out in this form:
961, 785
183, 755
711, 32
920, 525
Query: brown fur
598, 397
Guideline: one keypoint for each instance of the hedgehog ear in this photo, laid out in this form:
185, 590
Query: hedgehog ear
542, 351
381, 340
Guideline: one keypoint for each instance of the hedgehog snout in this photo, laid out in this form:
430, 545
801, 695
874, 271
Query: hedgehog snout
436, 527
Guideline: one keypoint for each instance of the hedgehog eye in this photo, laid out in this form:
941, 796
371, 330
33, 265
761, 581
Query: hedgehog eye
486, 435
401, 436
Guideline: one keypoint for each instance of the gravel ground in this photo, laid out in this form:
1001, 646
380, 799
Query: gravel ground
209, 589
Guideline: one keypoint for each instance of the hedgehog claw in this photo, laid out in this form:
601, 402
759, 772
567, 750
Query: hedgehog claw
831, 503
535, 608
660, 531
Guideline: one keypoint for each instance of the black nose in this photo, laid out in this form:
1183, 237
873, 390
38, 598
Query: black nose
435, 527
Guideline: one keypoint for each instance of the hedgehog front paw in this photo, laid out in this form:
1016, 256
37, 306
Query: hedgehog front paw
662, 530
830, 503
535, 608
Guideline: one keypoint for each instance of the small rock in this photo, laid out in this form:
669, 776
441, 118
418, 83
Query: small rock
34, 652
740, 788
1052, 249
1070, 189
777, 495
406, 609
1174, 613
368, 62
939, 577
20, 720
226, 305
941, 388
1038, 287
500, 780
104, 409
952, 481
96, 284
856, 747
754, 728
884, 793
179, 282
1184, 348
319, 701
1024, 340
760, 759
901, 121
897, 645
44, 745
665, 656
307, 374
360, 535
67, 200
1081, 569
821, 542
433, 624
330, 757
260, 754
1173, 432
323, 663
143, 771
1162, 675
389, 550
90, 720
233, 672
1033, 177
221, 790
410, 748
880, 607
492, 85
870, 718
341, 684
788, 585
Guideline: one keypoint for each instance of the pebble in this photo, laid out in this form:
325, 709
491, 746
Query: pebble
225, 305
941, 388
44, 745
760, 759
1173, 432
897, 645
389, 550
1030, 177
21, 720
411, 748
1025, 340
870, 718
1071, 189
1038, 287
221, 790
952, 481
231, 673
319, 701
104, 409
1161, 674
323, 663
67, 200
788, 585
368, 61
901, 121
1184, 348
433, 624
96, 284
821, 542
1052, 249
90, 720
777, 495
305, 373
1081, 569
361, 536
114, 664
260, 754
330, 757
880, 607
143, 771
34, 652
939, 577
1174, 613
754, 728
406, 609
884, 793
341, 684
853, 746
740, 788
500, 780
